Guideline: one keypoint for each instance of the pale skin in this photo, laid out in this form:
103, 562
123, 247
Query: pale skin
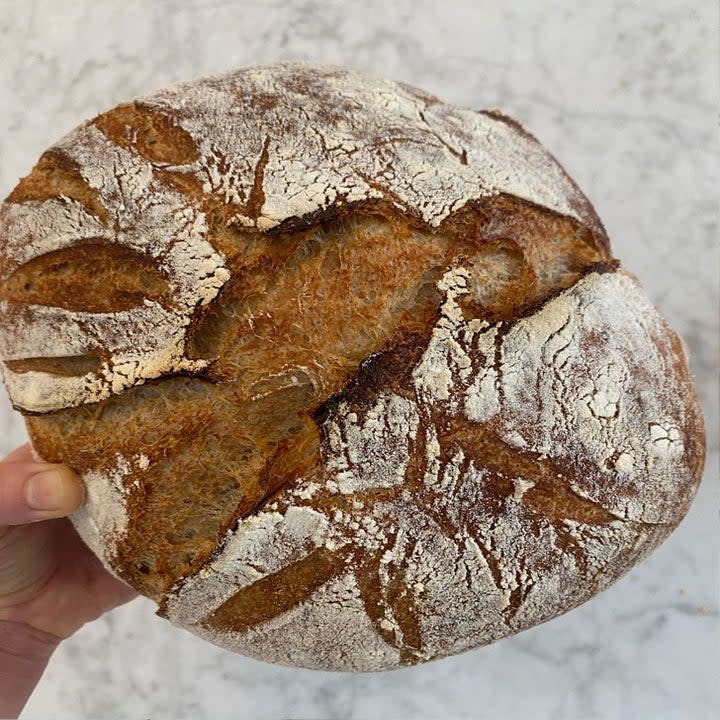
51, 584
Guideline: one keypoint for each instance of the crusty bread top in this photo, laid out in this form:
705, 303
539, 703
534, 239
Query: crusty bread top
513, 462
289, 141
264, 148
350, 375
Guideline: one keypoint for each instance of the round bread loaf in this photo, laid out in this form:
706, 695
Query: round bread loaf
351, 375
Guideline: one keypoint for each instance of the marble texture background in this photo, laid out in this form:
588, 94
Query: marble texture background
624, 94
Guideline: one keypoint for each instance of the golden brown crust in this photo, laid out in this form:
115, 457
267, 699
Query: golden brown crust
308, 301
56, 175
429, 414
152, 135
92, 277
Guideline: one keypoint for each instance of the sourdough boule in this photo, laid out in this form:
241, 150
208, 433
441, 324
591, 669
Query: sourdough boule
350, 374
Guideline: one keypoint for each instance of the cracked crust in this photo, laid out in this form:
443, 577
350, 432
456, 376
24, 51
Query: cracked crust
432, 513
350, 374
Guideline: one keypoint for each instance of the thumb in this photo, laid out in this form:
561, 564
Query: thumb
32, 491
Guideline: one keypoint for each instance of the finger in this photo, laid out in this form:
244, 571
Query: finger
31, 491
21, 454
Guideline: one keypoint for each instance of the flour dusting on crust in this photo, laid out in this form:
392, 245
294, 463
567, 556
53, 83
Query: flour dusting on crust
103, 520
327, 135
138, 344
516, 469
472, 568
338, 605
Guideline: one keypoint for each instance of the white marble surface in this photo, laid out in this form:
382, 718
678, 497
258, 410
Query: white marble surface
625, 95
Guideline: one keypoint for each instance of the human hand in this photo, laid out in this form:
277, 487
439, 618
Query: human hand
51, 584
49, 579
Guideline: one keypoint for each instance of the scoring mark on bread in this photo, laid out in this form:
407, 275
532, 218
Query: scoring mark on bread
55, 176
519, 527
427, 293
68, 365
153, 135
91, 277
154, 269
288, 587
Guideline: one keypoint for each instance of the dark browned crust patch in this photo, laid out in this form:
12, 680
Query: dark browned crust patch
278, 592
327, 301
154, 136
55, 175
90, 277
68, 366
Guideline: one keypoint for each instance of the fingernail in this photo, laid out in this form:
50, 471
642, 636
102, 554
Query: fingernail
51, 491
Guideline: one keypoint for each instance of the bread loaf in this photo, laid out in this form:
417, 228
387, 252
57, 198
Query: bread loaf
351, 375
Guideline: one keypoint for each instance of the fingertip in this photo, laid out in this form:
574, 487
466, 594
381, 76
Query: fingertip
54, 491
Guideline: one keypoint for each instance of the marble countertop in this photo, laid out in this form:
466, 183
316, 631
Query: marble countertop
625, 95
